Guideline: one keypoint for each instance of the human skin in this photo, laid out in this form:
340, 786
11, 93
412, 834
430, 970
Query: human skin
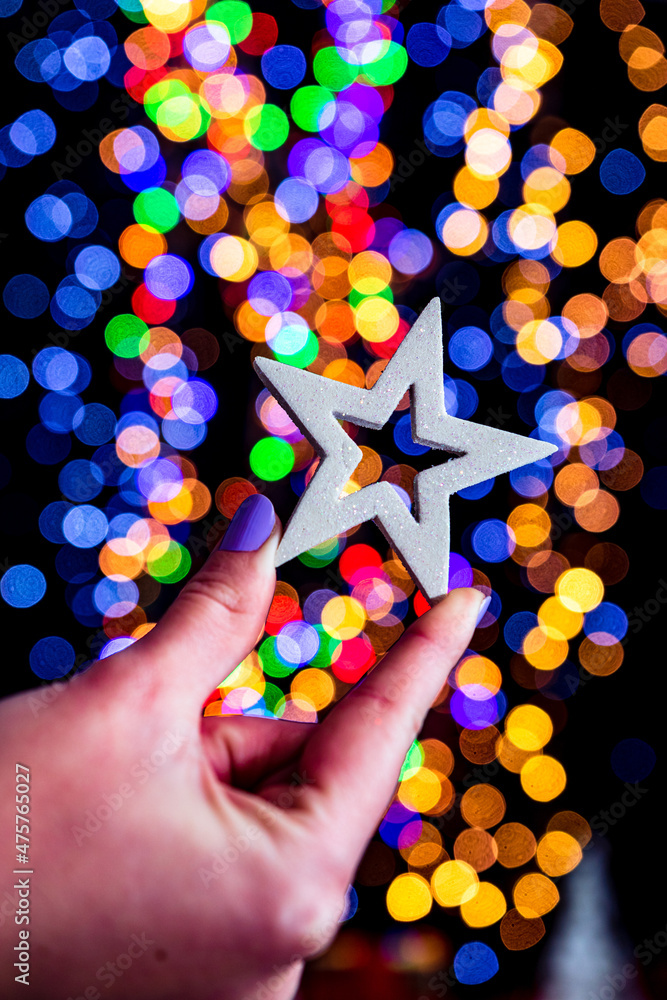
229, 856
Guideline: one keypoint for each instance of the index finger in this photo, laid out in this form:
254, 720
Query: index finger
356, 754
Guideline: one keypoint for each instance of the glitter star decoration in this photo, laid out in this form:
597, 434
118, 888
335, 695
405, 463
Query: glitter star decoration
478, 452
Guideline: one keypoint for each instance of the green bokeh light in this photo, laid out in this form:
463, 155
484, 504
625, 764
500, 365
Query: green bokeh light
304, 357
272, 695
414, 759
356, 298
133, 10
272, 458
127, 335
235, 15
185, 115
271, 663
161, 92
308, 105
328, 646
266, 127
171, 565
389, 68
331, 70
321, 555
156, 209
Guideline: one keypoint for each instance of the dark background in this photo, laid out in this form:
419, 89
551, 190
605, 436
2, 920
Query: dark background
591, 88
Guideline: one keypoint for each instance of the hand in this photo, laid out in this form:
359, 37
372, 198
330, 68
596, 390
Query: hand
179, 856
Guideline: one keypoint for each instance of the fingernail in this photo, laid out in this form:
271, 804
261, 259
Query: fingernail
251, 525
483, 608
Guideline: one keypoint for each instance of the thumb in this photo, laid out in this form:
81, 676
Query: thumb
220, 613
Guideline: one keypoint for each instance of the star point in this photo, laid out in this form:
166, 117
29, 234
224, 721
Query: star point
316, 404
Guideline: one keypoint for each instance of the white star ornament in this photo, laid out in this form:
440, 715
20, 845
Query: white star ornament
316, 404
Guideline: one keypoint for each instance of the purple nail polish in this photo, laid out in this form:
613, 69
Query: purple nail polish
484, 607
251, 525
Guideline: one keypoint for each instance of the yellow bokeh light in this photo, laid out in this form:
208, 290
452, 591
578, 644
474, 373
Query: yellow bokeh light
478, 675
488, 153
529, 727
454, 883
409, 897
167, 15
483, 118
535, 895
573, 149
516, 844
369, 272
233, 258
526, 281
428, 849
315, 685
476, 847
498, 12
511, 757
558, 853
539, 341
483, 806
530, 523
487, 907
576, 243
465, 231
534, 61
532, 226
420, 791
473, 191
543, 778
654, 138
264, 224
374, 168
580, 589
556, 615
292, 255
545, 648
377, 319
343, 617
516, 101
547, 186
248, 674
